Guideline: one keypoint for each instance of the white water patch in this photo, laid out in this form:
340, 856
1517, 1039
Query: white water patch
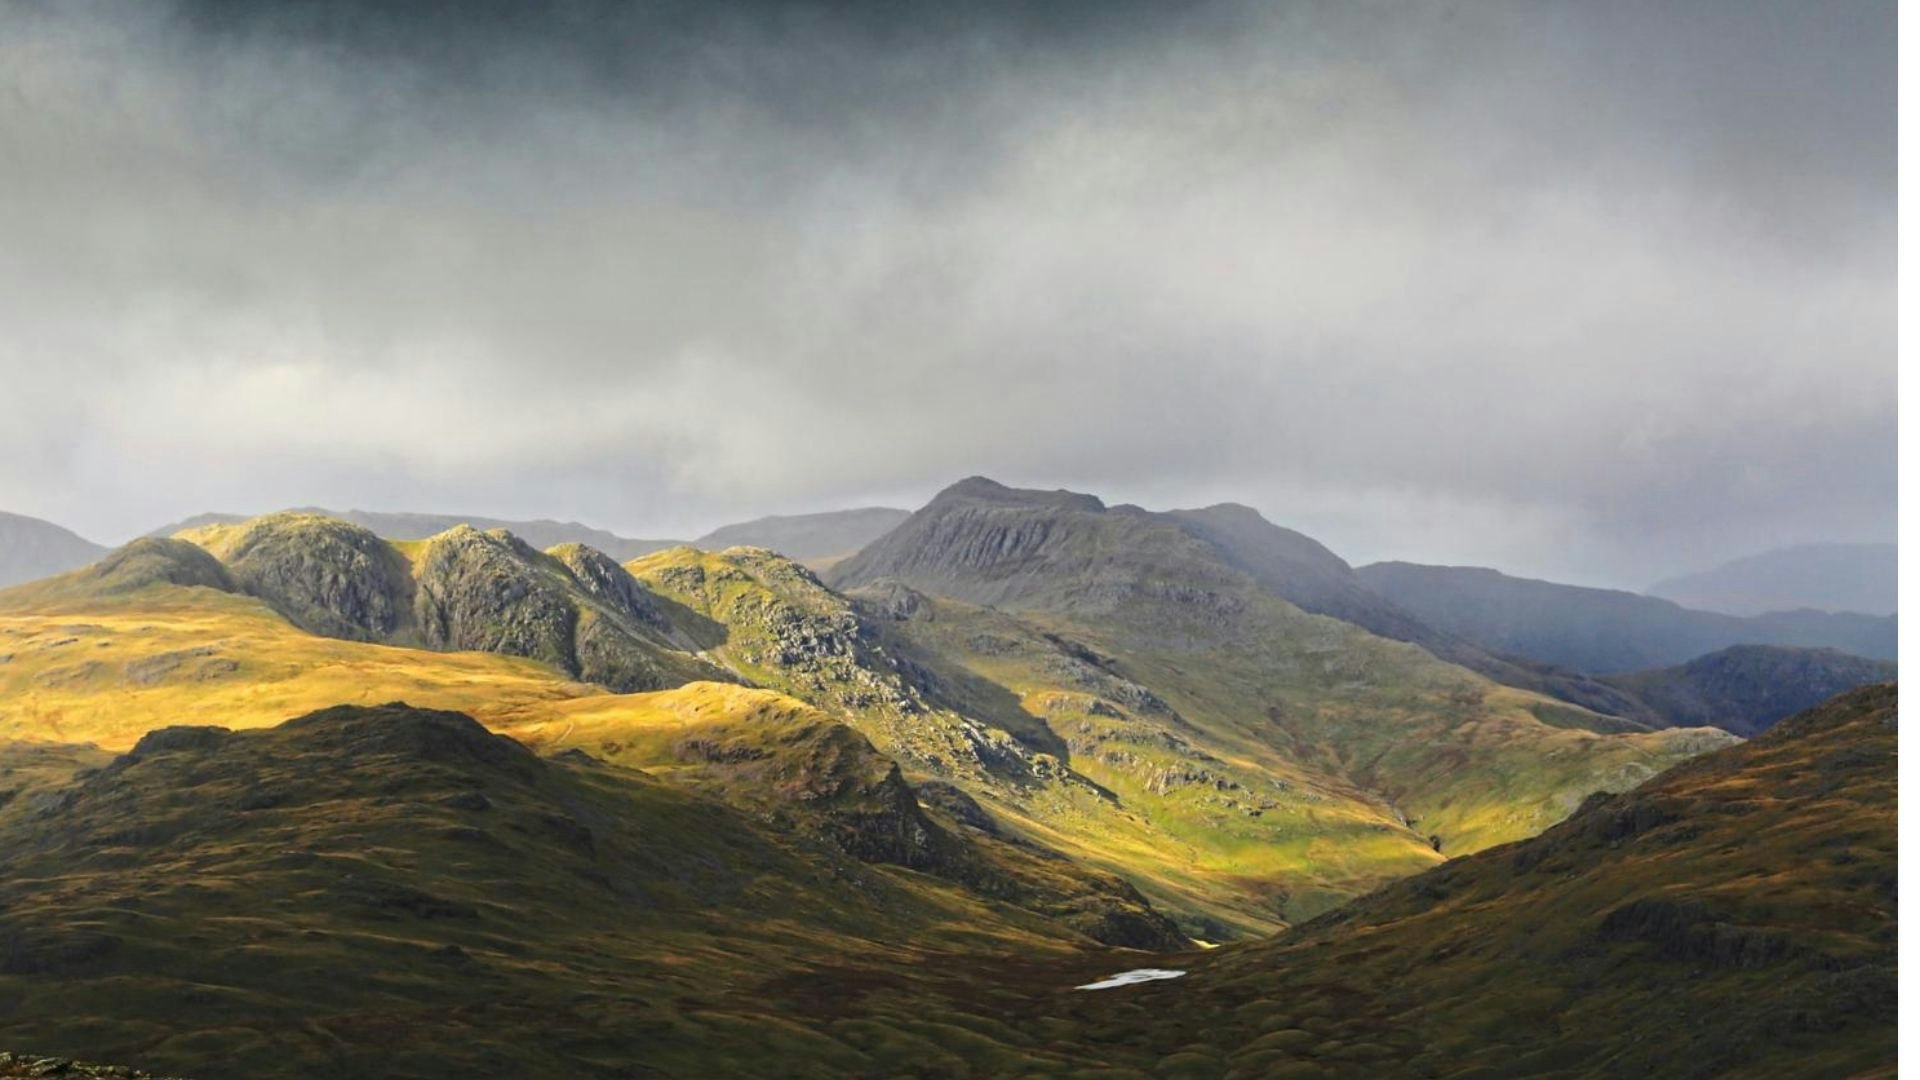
1128, 978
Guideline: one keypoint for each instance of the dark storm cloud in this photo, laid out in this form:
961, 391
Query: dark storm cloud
1591, 290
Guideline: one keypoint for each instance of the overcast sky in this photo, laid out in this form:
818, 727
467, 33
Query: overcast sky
1593, 291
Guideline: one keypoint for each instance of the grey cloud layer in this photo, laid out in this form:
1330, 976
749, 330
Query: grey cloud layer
1598, 291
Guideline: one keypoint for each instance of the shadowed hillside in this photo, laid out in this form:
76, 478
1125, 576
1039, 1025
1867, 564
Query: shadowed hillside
1746, 688
395, 892
1734, 917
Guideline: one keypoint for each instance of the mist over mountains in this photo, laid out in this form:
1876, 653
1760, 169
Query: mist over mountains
31, 548
1025, 538
1823, 577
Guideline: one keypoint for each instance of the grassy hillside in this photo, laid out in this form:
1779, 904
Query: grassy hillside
107, 668
1734, 917
389, 892
803, 772
1184, 771
1244, 766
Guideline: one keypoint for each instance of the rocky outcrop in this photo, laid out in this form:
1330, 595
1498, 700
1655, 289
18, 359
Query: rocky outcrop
608, 582
574, 609
325, 576
480, 591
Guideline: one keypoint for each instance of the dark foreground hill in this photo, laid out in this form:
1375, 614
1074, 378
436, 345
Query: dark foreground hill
1605, 631
392, 892
1734, 917
385, 893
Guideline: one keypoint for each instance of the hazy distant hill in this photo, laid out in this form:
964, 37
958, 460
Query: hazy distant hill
1824, 577
1746, 688
808, 536
31, 548
1602, 631
400, 526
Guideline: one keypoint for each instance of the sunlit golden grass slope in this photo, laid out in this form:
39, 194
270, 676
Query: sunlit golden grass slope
109, 669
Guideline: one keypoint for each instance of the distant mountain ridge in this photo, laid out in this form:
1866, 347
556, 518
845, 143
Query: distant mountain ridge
1860, 578
541, 533
31, 548
1604, 631
808, 536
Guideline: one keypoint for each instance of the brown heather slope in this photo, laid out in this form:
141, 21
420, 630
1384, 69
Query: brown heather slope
1736, 916
393, 892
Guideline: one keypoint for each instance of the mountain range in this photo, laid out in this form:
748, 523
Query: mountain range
805, 537
1604, 631
283, 795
